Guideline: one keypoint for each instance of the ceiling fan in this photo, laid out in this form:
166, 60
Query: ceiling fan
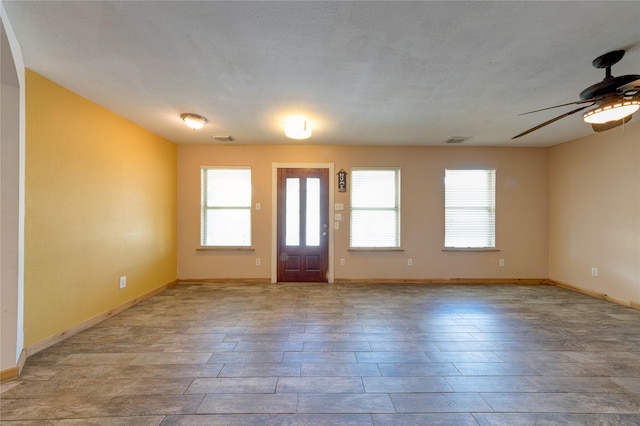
614, 99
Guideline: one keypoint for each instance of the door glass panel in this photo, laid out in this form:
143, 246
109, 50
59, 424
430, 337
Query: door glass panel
292, 215
313, 212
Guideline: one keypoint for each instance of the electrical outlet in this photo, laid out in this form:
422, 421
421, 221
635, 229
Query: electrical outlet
501, 263
594, 272
409, 262
258, 206
342, 261
257, 261
123, 282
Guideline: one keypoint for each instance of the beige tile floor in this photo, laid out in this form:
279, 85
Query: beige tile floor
318, 354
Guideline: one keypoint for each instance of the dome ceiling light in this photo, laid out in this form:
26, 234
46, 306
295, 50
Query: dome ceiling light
298, 128
194, 121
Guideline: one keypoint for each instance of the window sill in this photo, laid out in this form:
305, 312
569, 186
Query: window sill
470, 249
375, 249
225, 248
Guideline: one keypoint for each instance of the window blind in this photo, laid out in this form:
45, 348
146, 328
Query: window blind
375, 207
470, 201
226, 206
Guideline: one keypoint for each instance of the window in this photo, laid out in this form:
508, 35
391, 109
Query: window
470, 208
375, 208
226, 206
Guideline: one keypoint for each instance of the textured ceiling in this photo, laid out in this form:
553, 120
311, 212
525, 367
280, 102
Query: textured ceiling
365, 73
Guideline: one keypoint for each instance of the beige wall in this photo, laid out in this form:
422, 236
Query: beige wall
595, 213
521, 211
100, 204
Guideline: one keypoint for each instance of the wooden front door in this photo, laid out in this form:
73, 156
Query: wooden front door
303, 220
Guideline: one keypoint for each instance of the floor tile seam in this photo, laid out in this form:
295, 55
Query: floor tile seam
48, 396
46, 399
447, 379
547, 410
56, 420
599, 417
561, 413
379, 369
361, 378
195, 410
393, 403
92, 398
364, 387
186, 390
313, 395
445, 394
514, 364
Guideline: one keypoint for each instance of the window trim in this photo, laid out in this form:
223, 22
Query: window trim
204, 209
470, 249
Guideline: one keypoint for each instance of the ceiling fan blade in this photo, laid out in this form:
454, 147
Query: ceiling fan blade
599, 98
551, 121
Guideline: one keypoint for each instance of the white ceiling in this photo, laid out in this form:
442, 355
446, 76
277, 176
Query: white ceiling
365, 73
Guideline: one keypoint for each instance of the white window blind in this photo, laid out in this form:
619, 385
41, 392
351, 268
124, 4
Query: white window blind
226, 206
375, 207
470, 208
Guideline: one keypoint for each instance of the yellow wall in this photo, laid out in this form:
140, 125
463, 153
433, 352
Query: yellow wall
100, 204
522, 195
595, 213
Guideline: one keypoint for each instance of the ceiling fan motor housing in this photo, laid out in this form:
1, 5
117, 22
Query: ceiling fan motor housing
610, 85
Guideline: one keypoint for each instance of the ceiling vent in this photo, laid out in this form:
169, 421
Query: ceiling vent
457, 139
223, 138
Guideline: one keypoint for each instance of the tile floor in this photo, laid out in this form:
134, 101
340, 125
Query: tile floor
318, 354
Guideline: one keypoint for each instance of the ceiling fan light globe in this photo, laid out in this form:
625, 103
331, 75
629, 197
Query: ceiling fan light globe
610, 125
611, 111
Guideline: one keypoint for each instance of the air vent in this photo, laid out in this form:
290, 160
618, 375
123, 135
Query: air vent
457, 139
223, 138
